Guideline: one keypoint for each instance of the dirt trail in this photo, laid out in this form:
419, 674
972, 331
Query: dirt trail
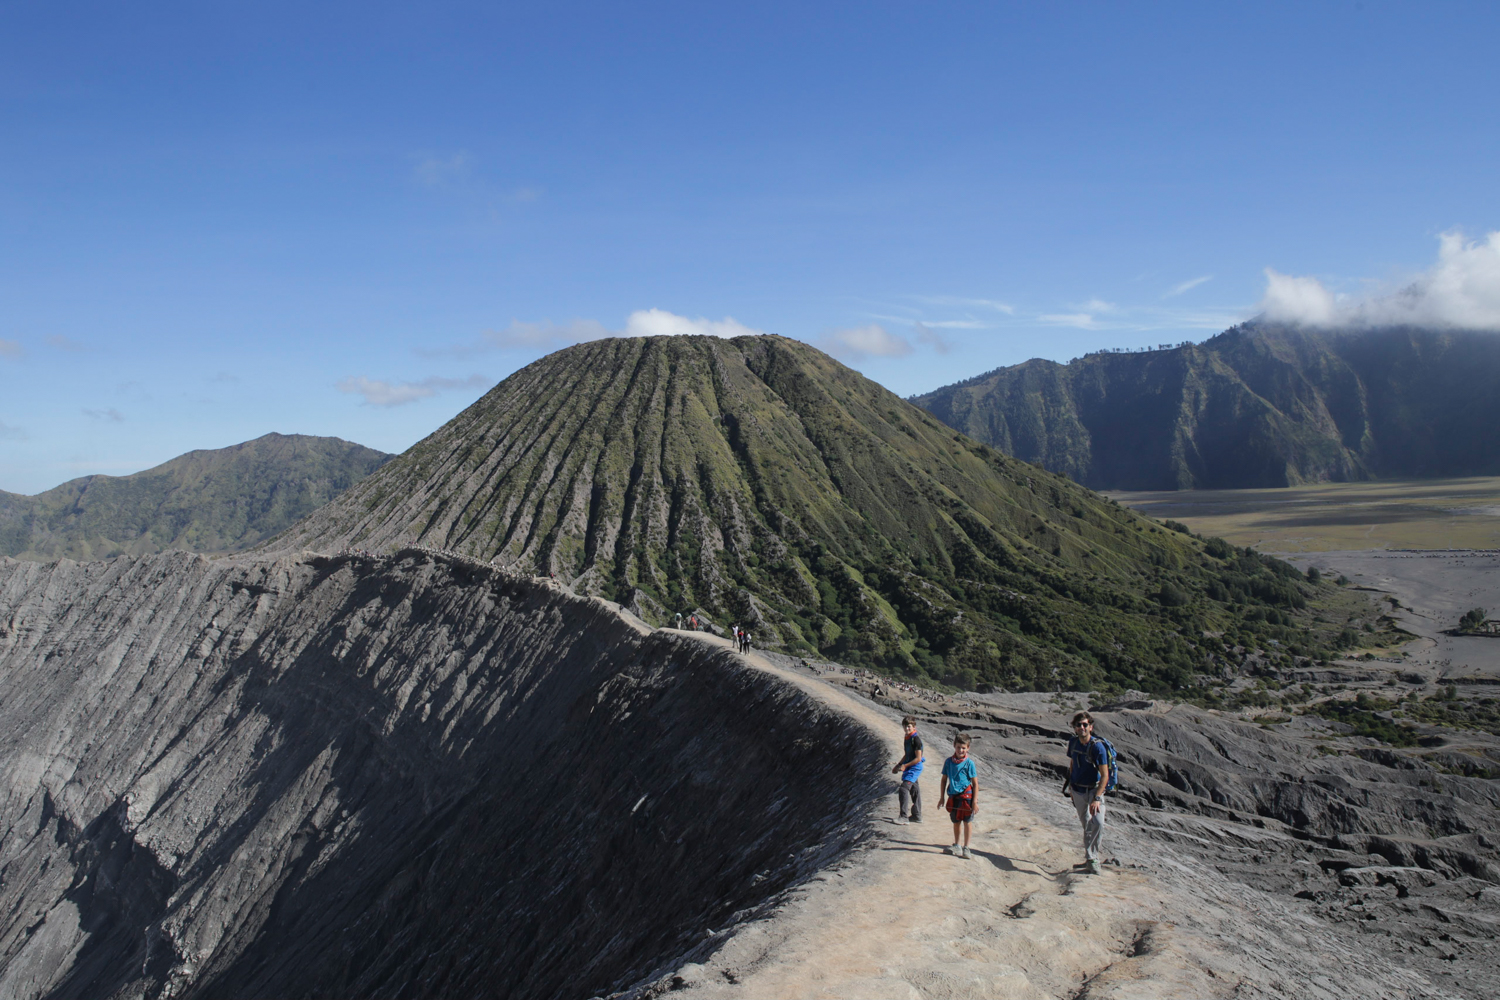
902, 919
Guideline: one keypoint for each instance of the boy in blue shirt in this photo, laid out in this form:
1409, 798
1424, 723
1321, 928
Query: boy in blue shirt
911, 769
1088, 775
959, 786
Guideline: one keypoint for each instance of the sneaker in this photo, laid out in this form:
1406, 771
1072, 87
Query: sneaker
964, 853
953, 849
902, 821
1092, 866
916, 819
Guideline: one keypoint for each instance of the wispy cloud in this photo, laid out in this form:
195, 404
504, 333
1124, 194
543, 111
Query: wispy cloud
10, 349
11, 433
1461, 291
380, 393
436, 171
968, 303
856, 343
1078, 320
111, 415
68, 344
1186, 286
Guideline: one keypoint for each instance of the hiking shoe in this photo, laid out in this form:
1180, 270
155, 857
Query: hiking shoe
964, 853
1092, 866
953, 849
902, 821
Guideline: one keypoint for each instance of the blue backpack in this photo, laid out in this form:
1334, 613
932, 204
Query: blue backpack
1110, 758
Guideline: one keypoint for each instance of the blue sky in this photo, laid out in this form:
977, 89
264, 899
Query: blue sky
219, 220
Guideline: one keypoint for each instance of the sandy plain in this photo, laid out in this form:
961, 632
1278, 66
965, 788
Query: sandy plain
1344, 517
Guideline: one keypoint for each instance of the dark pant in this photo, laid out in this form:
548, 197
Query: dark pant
911, 800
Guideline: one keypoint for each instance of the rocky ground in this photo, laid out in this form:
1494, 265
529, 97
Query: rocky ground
417, 775
1283, 860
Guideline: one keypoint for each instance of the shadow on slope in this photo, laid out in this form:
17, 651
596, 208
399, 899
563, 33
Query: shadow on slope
413, 776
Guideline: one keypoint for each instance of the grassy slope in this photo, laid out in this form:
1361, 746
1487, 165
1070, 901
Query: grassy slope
1256, 406
762, 482
205, 501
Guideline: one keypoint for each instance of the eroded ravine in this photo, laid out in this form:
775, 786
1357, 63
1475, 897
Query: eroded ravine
406, 776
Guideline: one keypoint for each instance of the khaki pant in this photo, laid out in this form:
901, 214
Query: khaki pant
1093, 826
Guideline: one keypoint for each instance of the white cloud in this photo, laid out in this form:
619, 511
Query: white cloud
379, 393
112, 415
10, 349
1187, 286
9, 433
62, 343
864, 342
548, 335
1462, 290
660, 323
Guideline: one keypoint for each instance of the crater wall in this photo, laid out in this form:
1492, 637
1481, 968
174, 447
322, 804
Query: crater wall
406, 776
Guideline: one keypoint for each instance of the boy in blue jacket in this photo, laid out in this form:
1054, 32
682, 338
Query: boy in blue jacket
959, 786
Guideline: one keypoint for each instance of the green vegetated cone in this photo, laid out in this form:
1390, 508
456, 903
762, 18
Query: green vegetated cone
763, 482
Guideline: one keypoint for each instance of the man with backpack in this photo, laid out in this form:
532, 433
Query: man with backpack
1091, 773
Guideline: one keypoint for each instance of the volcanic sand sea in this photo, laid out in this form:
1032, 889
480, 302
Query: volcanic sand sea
901, 919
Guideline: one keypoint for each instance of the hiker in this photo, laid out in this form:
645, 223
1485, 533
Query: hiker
744, 642
692, 623
909, 792
679, 620
1088, 776
960, 786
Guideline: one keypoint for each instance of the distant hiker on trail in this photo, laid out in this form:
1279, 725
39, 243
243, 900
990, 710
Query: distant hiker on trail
909, 792
744, 642
960, 786
1088, 776
692, 623
679, 620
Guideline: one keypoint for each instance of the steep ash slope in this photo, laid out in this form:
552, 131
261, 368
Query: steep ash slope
218, 500
761, 482
1257, 406
409, 776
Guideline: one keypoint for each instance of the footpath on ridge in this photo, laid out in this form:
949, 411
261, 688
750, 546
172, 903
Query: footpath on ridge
901, 919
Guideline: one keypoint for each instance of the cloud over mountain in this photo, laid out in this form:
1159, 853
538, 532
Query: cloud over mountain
1461, 291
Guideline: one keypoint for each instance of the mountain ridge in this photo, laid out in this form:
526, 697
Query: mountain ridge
1260, 405
209, 500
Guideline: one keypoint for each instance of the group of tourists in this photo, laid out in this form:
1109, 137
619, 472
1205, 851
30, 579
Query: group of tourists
1091, 773
737, 635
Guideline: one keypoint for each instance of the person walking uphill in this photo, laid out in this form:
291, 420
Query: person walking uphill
960, 786
1088, 777
910, 793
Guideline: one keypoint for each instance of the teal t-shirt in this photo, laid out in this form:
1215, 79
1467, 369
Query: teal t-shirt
959, 775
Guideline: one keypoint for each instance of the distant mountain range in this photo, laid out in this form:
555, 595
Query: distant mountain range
212, 501
1260, 405
757, 481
